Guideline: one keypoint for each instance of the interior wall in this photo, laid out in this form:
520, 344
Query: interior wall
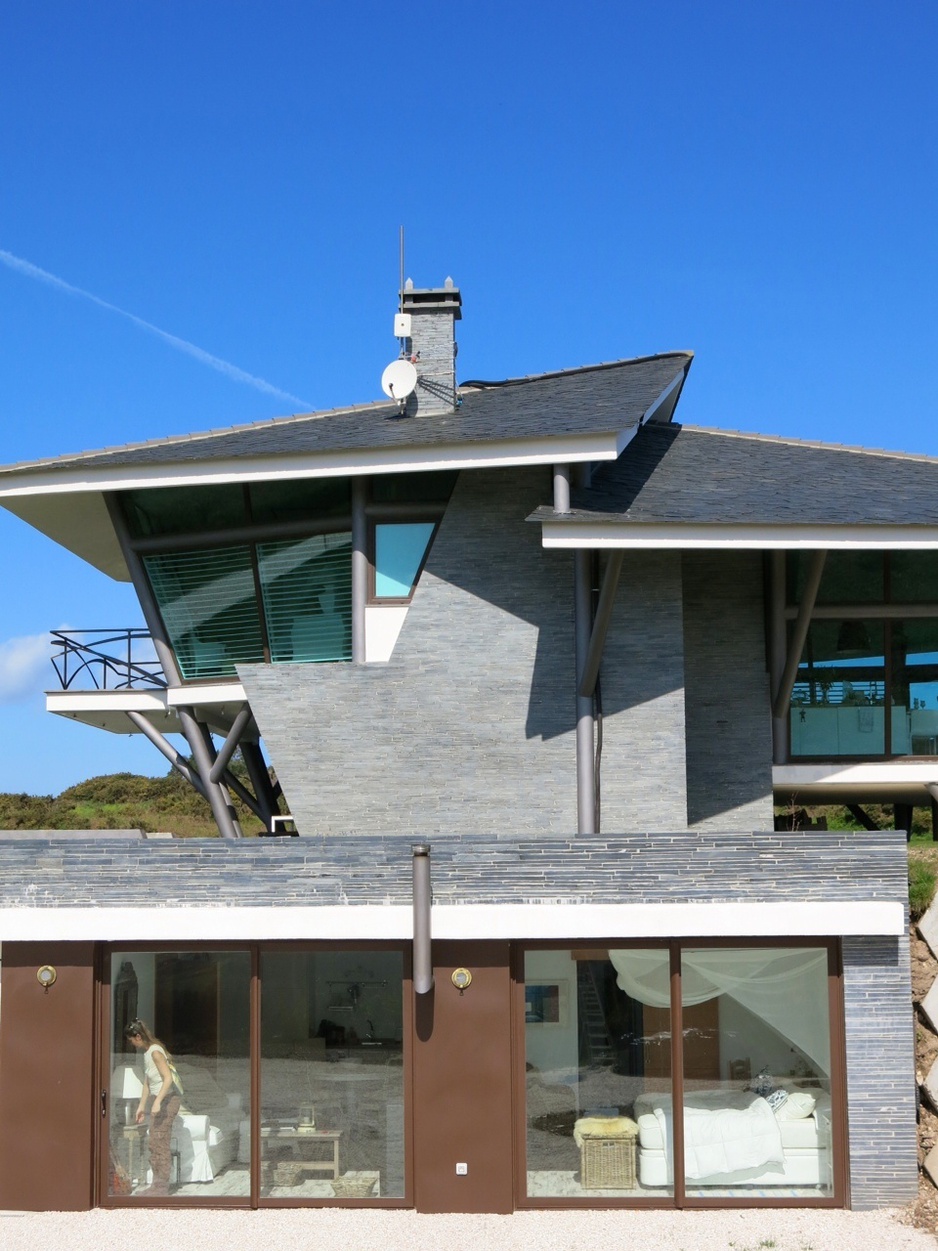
552, 1047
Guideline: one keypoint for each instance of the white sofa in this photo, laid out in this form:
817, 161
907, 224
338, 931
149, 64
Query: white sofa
805, 1147
206, 1133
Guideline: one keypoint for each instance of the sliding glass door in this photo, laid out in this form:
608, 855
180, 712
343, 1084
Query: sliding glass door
688, 1073
179, 1020
269, 1074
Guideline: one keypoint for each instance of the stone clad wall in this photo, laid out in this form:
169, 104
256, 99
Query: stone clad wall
471, 724
727, 709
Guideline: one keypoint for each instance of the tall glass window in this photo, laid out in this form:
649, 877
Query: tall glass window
306, 585
209, 608
597, 1056
332, 1075
757, 1072
185, 1015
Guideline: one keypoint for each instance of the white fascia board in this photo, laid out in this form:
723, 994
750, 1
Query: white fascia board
562, 449
827, 919
145, 700
210, 693
858, 774
558, 533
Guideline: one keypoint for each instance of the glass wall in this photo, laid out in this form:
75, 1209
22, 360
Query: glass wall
332, 1075
597, 1060
755, 1087
868, 686
189, 1015
757, 1075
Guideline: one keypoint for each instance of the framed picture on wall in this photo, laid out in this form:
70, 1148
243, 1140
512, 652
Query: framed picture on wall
546, 1003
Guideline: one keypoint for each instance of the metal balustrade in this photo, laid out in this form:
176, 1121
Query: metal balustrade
105, 660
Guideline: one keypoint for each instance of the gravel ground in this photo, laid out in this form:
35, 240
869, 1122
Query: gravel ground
356, 1230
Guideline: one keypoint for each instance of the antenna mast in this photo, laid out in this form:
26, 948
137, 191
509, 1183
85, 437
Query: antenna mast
400, 289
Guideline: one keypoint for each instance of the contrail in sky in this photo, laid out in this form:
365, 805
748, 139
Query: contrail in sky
223, 367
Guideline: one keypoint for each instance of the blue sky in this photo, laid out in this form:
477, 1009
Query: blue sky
754, 182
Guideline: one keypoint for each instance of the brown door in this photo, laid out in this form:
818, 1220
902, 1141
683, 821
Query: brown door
462, 1083
47, 1107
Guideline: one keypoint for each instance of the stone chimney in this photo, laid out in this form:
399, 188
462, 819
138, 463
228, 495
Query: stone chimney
431, 346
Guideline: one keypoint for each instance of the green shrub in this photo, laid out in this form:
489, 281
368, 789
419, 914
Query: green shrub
921, 887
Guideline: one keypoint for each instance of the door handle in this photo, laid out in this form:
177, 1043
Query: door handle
104, 1103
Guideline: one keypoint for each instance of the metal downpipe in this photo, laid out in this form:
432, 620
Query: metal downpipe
423, 953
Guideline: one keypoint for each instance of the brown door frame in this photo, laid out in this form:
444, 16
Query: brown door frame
836, 1024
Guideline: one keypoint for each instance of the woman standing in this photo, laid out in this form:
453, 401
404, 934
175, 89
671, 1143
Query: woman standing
157, 1082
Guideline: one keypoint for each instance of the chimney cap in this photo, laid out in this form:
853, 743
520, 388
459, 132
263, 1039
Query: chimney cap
414, 299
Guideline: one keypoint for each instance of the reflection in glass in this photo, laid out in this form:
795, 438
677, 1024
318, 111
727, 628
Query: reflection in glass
838, 705
598, 1056
757, 1106
198, 1005
332, 1076
209, 608
307, 590
399, 552
914, 657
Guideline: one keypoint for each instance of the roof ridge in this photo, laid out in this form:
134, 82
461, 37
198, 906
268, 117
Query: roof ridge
818, 443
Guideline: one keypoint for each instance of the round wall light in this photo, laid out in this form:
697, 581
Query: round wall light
461, 978
46, 976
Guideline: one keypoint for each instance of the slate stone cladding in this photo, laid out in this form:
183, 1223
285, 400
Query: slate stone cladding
726, 687
642, 766
678, 867
471, 723
881, 1094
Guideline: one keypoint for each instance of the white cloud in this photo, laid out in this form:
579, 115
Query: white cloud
25, 667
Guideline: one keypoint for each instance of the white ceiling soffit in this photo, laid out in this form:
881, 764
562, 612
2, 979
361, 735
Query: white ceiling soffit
79, 523
561, 533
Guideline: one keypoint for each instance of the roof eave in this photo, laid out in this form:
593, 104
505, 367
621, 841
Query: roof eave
580, 532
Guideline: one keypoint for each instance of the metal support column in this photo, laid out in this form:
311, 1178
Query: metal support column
215, 793
260, 780
141, 584
162, 744
359, 568
585, 721
585, 726
561, 488
799, 634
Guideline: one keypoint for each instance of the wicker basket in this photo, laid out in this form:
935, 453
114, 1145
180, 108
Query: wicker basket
607, 1164
287, 1172
353, 1187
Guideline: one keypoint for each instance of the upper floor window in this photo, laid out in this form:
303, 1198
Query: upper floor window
867, 683
262, 572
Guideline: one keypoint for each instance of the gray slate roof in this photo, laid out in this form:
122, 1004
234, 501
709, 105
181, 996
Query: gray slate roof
591, 400
688, 475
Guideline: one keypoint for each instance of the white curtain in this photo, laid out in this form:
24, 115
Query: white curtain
785, 987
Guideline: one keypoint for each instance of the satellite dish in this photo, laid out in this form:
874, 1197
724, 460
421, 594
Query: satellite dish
399, 380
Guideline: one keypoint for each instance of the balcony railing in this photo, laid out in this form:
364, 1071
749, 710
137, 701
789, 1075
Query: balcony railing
105, 660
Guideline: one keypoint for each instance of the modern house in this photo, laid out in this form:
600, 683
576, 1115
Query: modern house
540, 643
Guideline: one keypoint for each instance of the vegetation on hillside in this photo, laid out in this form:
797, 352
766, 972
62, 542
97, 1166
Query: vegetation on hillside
120, 801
